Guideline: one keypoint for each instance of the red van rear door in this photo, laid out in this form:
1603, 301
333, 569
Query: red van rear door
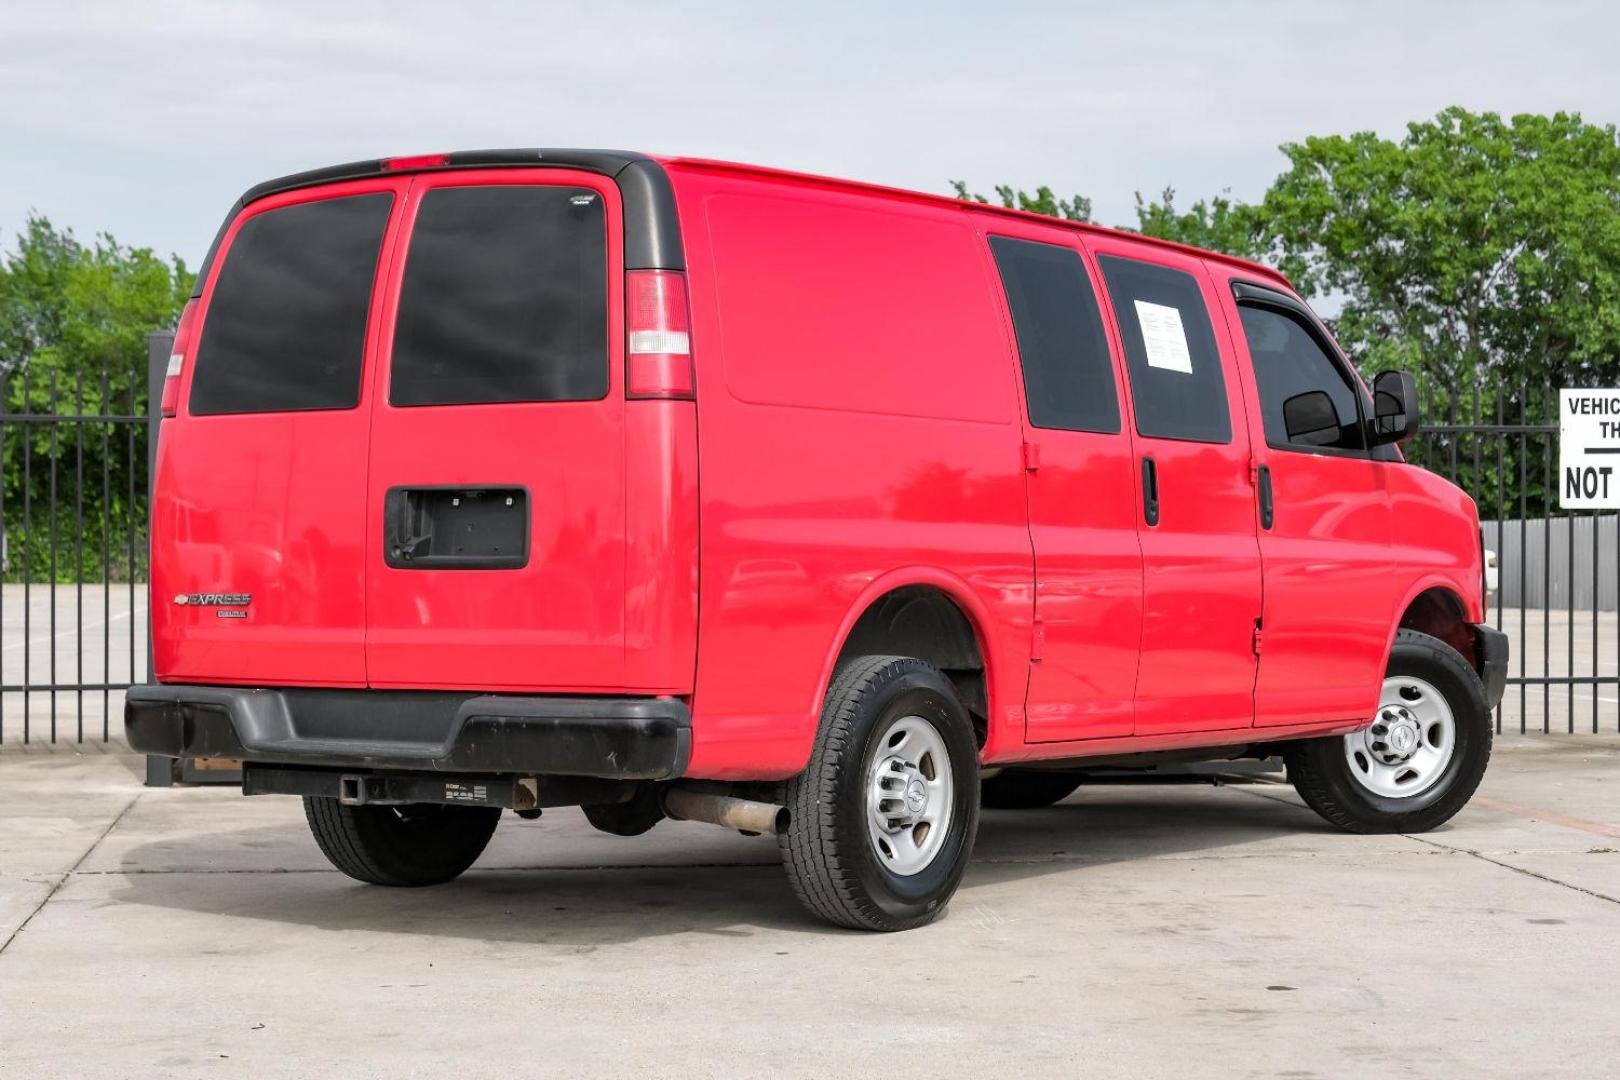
258, 521
495, 504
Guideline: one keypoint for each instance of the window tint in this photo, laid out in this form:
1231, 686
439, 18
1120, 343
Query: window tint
1289, 363
1068, 377
1170, 353
286, 328
504, 298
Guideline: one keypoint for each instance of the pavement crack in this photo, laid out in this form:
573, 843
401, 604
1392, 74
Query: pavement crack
1453, 849
1482, 857
70, 872
1243, 790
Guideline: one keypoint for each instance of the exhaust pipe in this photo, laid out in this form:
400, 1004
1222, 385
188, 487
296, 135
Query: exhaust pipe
744, 815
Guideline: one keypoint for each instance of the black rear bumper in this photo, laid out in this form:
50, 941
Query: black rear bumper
619, 738
1493, 661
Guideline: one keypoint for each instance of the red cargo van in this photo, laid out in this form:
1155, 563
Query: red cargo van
668, 487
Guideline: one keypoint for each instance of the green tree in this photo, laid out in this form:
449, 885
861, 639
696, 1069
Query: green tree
1074, 208
1220, 224
1483, 253
73, 325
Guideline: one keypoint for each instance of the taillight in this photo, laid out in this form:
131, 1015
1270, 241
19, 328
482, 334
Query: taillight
658, 339
178, 353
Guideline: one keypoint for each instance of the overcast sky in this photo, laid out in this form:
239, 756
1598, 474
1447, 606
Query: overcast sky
147, 119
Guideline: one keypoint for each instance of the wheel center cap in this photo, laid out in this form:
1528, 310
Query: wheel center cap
916, 796
1394, 736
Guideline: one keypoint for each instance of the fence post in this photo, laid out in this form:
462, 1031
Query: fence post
160, 771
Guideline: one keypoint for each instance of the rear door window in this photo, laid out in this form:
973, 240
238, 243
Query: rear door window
285, 329
504, 298
1068, 375
1175, 367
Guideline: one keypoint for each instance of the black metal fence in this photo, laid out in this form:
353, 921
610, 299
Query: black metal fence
1558, 572
73, 547
73, 527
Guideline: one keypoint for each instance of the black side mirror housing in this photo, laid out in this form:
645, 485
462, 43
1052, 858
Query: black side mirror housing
1395, 408
1310, 419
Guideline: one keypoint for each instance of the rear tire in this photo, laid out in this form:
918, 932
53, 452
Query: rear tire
1359, 782
882, 821
1026, 789
413, 845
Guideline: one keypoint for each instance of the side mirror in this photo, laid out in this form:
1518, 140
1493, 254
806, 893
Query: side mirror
1395, 408
1310, 419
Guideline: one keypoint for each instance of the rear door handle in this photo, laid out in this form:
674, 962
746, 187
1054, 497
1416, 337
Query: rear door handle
1150, 491
1263, 483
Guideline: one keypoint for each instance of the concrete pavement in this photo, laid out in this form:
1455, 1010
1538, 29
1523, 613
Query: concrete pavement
1131, 931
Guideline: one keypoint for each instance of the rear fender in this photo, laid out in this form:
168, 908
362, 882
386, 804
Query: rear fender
1004, 712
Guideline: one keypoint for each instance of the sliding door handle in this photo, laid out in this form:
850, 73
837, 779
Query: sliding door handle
1150, 491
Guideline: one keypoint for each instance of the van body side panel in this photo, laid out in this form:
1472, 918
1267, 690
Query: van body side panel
858, 421
269, 505
556, 622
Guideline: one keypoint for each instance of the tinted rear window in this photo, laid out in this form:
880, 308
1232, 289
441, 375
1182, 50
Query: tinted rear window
286, 328
504, 298
1068, 376
1170, 352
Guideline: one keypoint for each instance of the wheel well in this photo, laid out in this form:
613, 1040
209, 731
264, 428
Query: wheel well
924, 622
1439, 612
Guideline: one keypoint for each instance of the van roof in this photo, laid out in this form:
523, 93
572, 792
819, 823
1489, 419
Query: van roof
947, 200
663, 248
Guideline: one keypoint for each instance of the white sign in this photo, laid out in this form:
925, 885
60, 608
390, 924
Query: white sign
1163, 337
1588, 449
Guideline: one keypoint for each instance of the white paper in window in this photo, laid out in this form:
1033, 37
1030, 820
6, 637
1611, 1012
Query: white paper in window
1164, 337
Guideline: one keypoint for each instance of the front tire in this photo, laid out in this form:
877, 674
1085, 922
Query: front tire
1419, 759
882, 821
404, 846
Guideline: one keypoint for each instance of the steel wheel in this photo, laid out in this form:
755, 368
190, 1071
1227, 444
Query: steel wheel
1406, 748
882, 819
909, 796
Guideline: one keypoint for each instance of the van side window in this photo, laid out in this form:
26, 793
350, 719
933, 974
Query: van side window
1068, 376
1170, 352
285, 330
1298, 381
504, 298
